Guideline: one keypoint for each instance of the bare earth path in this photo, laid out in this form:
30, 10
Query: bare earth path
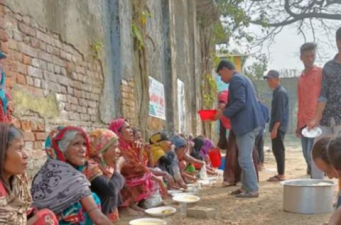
266, 210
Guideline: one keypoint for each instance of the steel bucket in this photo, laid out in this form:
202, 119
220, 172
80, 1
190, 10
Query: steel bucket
308, 196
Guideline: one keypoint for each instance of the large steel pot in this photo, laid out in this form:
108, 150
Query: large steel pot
308, 196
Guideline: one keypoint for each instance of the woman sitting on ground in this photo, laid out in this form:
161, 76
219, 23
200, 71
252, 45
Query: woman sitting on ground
160, 145
15, 197
60, 185
183, 160
202, 147
103, 171
141, 148
139, 179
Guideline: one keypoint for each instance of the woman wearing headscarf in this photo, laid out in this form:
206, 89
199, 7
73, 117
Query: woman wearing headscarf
103, 171
160, 145
139, 179
183, 160
198, 144
15, 197
5, 109
60, 184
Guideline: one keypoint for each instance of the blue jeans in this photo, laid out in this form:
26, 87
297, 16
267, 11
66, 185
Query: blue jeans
326, 131
246, 144
307, 147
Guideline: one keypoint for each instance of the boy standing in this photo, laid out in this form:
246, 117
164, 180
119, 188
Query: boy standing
278, 122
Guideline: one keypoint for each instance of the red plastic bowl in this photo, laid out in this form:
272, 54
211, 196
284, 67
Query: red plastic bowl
207, 114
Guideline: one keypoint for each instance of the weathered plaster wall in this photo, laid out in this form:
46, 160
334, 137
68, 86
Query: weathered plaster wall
51, 72
291, 85
55, 79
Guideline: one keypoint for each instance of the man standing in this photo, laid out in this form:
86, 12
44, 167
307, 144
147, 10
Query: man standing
328, 113
278, 122
308, 92
246, 118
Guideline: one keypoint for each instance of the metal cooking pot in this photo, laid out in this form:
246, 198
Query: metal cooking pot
308, 196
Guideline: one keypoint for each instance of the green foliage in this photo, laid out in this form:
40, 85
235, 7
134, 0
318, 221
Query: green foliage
137, 35
257, 70
138, 27
97, 48
210, 91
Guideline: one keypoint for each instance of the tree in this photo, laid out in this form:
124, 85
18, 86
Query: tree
257, 70
271, 16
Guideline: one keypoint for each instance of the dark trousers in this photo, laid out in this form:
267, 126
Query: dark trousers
260, 148
279, 152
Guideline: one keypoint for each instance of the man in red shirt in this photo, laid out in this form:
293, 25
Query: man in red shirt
308, 92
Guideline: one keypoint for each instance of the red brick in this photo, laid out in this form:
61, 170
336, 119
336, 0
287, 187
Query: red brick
26, 60
12, 44
40, 136
35, 43
37, 145
2, 24
28, 136
21, 79
26, 29
3, 35
26, 125
4, 47
41, 127
16, 123
9, 82
18, 57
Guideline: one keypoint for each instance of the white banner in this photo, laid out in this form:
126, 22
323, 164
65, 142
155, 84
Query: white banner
157, 106
181, 107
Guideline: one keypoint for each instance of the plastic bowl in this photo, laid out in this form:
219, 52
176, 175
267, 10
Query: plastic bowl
207, 114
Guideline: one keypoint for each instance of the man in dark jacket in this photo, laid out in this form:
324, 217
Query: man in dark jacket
246, 118
278, 122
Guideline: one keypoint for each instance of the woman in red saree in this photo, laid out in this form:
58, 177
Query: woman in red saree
139, 183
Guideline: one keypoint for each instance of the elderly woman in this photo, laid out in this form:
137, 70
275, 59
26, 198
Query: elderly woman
160, 145
103, 171
60, 185
183, 160
15, 197
139, 179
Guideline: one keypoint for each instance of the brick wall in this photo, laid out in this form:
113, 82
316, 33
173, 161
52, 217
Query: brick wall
129, 100
39, 64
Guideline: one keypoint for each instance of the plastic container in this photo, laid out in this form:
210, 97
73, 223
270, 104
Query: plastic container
207, 114
222, 166
215, 157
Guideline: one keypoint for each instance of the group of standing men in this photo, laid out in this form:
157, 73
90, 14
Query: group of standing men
319, 104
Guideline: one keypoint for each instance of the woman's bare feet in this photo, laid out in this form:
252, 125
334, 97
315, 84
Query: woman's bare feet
136, 208
129, 212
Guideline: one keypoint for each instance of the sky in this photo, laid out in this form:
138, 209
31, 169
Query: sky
283, 53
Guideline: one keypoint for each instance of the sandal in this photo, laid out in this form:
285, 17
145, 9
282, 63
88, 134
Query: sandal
248, 195
275, 179
236, 192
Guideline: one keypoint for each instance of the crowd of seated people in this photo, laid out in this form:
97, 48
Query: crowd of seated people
93, 178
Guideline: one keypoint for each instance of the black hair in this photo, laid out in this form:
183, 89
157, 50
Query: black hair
225, 64
309, 46
320, 150
334, 152
338, 34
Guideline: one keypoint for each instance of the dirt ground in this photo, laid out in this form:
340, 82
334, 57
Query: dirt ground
265, 210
